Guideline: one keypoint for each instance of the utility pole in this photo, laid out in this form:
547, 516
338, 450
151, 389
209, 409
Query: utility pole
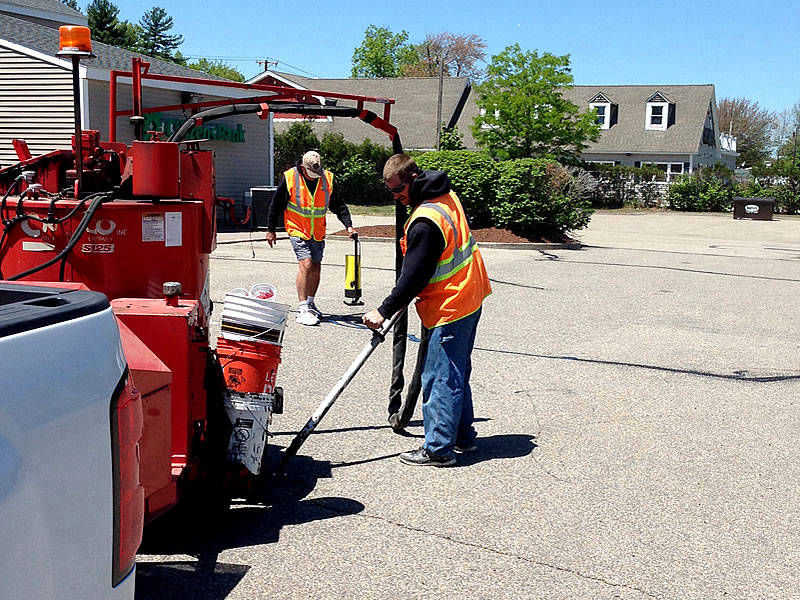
439, 103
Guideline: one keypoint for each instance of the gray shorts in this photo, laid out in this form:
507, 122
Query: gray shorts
307, 248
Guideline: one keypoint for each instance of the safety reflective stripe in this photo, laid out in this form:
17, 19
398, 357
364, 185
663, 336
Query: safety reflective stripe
461, 257
314, 212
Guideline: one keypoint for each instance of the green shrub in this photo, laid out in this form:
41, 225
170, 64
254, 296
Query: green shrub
708, 189
357, 183
473, 176
451, 139
538, 196
292, 144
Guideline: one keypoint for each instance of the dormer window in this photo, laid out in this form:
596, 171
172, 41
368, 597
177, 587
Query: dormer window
605, 109
660, 113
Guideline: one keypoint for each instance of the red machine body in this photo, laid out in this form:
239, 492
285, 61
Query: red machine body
125, 221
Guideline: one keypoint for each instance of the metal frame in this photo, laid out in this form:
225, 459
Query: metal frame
277, 95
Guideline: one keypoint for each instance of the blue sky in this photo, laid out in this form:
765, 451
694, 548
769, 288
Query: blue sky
747, 49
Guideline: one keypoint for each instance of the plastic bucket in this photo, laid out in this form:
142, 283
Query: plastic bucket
263, 291
249, 366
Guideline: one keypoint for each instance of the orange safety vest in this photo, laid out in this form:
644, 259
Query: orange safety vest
460, 283
305, 214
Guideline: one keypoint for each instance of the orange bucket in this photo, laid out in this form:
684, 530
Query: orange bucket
249, 366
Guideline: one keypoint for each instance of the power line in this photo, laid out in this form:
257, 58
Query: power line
258, 59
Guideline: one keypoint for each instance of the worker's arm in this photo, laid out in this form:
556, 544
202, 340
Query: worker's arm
341, 211
425, 247
280, 200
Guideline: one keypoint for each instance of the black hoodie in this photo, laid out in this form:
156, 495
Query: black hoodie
425, 244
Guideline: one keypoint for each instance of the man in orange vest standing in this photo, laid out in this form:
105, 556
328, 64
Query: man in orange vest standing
303, 198
443, 267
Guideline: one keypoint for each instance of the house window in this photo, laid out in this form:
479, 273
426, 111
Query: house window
657, 116
603, 110
671, 170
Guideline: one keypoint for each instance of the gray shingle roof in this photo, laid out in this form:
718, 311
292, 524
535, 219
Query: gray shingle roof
629, 134
45, 40
414, 111
54, 6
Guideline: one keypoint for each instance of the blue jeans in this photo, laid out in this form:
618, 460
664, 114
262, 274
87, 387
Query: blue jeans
447, 411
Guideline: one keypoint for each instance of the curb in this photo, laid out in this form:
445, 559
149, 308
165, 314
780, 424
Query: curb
498, 245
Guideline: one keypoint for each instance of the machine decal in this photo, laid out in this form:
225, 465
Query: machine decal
103, 227
30, 231
37, 246
153, 227
174, 229
97, 248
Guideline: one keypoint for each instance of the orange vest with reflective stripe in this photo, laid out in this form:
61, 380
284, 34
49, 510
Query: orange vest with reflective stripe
305, 214
460, 283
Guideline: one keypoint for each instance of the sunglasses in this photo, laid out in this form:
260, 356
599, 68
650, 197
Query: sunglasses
396, 189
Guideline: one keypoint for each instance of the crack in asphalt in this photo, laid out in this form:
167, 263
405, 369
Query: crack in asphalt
737, 375
532, 561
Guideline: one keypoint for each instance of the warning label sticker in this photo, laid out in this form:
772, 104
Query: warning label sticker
153, 227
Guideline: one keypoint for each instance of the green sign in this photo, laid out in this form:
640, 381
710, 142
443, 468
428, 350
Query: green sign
213, 131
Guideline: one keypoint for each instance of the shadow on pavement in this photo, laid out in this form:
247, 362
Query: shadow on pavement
276, 501
498, 446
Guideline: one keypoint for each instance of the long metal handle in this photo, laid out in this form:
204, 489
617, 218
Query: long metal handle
378, 336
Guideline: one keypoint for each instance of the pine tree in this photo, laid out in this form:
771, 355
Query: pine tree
107, 28
155, 40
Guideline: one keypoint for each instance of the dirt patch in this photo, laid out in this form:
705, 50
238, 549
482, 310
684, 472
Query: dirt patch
487, 234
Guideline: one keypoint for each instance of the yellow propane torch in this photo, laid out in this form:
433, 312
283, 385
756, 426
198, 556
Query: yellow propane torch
352, 274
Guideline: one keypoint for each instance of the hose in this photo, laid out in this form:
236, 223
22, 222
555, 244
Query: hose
98, 199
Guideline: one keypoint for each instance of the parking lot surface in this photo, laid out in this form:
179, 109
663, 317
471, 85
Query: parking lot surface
639, 432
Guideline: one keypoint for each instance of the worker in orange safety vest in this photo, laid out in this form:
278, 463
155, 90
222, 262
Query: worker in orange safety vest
443, 267
303, 199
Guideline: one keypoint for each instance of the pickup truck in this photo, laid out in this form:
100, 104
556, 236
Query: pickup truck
71, 504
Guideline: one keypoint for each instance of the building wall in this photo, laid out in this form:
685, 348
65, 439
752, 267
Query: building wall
35, 105
239, 166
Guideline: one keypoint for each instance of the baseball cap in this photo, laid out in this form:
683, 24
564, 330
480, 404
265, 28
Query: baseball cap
312, 163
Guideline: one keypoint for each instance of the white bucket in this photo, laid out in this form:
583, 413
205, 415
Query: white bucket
250, 415
247, 318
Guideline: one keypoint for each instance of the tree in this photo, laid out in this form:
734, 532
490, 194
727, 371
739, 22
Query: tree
751, 125
73, 4
107, 28
383, 53
460, 54
215, 67
523, 112
786, 131
155, 39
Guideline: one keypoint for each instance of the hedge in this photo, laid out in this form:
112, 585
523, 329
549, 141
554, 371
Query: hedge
539, 196
473, 176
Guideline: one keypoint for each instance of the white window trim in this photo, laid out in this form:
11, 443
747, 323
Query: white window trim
664, 116
607, 117
668, 172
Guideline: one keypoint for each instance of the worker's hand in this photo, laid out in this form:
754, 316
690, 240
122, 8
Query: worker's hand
351, 232
373, 319
271, 237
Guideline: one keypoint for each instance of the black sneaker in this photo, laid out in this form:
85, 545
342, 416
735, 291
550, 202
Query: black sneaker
464, 448
422, 458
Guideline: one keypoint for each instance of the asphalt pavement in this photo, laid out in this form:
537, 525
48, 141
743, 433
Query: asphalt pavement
639, 435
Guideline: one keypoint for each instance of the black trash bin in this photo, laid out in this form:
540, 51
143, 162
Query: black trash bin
760, 209
262, 196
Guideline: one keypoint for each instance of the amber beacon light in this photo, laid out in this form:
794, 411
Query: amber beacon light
74, 40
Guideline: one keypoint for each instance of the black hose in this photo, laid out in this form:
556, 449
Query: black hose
79, 231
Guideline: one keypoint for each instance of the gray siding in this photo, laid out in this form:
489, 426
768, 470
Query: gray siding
35, 105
